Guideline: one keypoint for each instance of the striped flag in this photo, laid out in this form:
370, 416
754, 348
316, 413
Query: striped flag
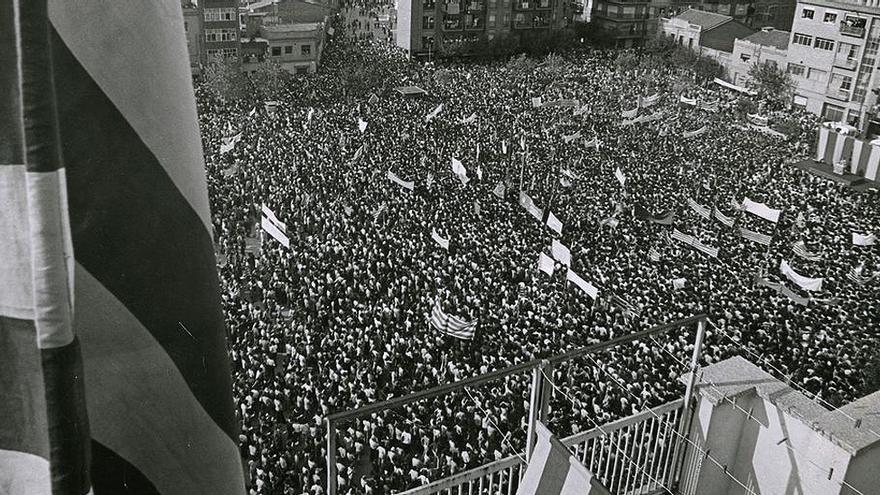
104, 215
468, 120
721, 217
629, 114
362, 125
552, 470
571, 137
855, 275
755, 236
701, 210
650, 101
451, 325
560, 252
678, 283
654, 255
378, 211
801, 250
536, 102
681, 236
275, 231
688, 101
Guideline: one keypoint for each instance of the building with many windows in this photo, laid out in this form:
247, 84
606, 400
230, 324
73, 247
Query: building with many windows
631, 22
288, 33
424, 26
707, 33
832, 55
221, 27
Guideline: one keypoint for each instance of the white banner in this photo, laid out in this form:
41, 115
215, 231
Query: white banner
620, 177
585, 286
761, 210
560, 252
403, 183
444, 243
554, 223
806, 283
863, 239
275, 232
546, 264
434, 113
362, 126
272, 218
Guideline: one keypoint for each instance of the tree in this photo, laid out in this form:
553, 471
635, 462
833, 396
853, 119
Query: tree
773, 85
224, 80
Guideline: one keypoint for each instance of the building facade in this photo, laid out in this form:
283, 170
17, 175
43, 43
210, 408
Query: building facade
193, 26
832, 55
424, 26
709, 34
767, 45
221, 28
288, 33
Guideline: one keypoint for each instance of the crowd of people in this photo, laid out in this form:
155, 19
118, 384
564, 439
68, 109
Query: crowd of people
339, 319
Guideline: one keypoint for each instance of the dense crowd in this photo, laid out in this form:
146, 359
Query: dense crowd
340, 318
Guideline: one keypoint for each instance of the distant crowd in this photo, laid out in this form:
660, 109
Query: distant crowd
339, 319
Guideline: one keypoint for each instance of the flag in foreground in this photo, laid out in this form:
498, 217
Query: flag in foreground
552, 470
103, 190
452, 325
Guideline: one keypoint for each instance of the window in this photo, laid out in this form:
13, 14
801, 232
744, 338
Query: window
745, 57
288, 50
740, 9
491, 20
817, 75
807, 13
690, 42
612, 10
848, 52
428, 5
302, 70
428, 22
221, 53
214, 35
629, 12
796, 69
802, 39
506, 19
219, 15
427, 41
799, 101
545, 4
840, 82
276, 51
830, 17
520, 19
824, 44
855, 22
852, 117
186, 26
832, 113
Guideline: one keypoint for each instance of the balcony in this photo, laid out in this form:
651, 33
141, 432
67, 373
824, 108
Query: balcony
846, 63
848, 30
839, 94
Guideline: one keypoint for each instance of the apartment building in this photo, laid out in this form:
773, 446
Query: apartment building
427, 25
288, 33
193, 27
221, 30
832, 56
767, 45
707, 33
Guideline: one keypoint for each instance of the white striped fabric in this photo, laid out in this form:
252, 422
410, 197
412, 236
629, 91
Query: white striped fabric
721, 217
406, 184
755, 236
701, 210
806, 283
451, 325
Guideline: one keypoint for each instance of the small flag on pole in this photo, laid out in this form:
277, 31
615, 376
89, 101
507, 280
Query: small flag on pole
476, 207
678, 283
429, 180
434, 113
536, 102
499, 190
397, 180
444, 243
362, 125
620, 177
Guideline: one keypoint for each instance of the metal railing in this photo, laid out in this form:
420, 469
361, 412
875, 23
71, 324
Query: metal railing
633, 455
538, 408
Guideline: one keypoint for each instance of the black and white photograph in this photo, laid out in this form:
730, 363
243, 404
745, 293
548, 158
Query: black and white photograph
439, 247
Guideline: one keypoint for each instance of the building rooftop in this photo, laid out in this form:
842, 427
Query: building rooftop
737, 377
770, 37
706, 20
298, 27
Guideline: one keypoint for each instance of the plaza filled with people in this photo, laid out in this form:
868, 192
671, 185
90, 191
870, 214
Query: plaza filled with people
339, 318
